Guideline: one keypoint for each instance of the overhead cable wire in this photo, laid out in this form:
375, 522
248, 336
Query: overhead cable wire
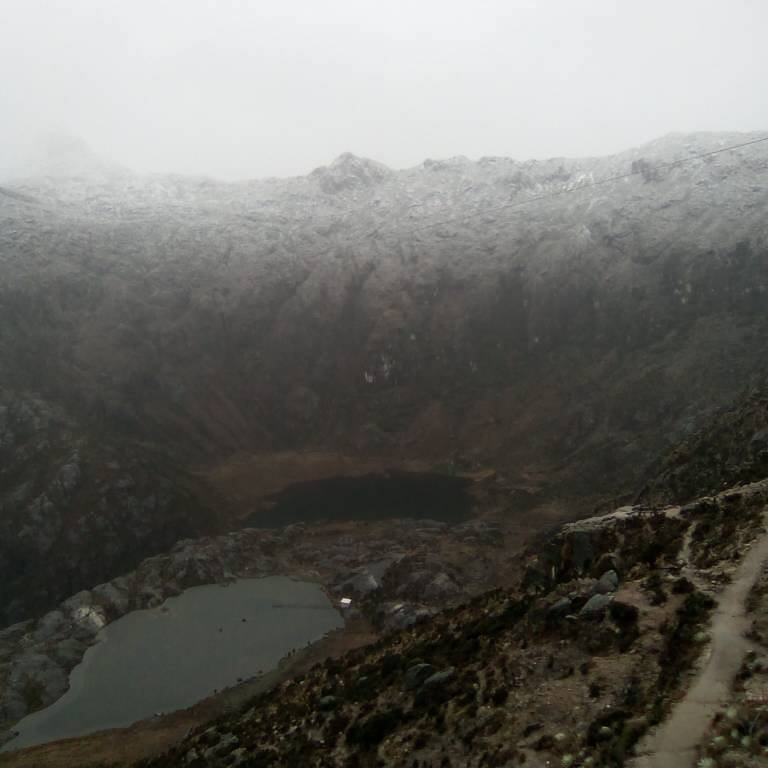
568, 190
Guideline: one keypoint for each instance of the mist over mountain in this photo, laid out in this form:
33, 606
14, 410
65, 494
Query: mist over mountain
558, 321
383, 385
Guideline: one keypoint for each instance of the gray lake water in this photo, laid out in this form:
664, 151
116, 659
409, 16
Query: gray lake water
168, 658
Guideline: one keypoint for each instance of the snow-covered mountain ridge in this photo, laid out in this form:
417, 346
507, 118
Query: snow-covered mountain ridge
460, 314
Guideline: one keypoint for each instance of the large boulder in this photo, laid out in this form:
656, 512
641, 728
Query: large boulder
606, 584
417, 675
559, 610
595, 606
440, 678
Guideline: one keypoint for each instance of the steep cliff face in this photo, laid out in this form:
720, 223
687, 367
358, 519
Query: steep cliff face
457, 313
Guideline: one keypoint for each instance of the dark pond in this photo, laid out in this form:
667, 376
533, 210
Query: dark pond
369, 497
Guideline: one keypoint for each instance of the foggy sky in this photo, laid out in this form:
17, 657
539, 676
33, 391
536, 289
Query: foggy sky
278, 87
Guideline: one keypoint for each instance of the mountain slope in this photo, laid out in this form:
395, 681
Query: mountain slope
563, 342
586, 663
574, 670
732, 448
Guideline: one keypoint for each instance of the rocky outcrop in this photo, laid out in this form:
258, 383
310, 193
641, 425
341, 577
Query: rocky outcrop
603, 549
348, 172
75, 509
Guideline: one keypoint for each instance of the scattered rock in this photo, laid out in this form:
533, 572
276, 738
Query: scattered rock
559, 610
327, 703
417, 674
607, 583
595, 606
440, 678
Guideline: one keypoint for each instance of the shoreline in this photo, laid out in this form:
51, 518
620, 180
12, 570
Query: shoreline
149, 737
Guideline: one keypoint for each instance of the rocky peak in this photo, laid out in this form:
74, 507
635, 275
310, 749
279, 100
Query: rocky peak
349, 171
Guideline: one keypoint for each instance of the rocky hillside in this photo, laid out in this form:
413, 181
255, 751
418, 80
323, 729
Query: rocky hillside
615, 647
573, 669
732, 448
76, 507
460, 314
589, 658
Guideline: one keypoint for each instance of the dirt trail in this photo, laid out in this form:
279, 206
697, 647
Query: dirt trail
673, 744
